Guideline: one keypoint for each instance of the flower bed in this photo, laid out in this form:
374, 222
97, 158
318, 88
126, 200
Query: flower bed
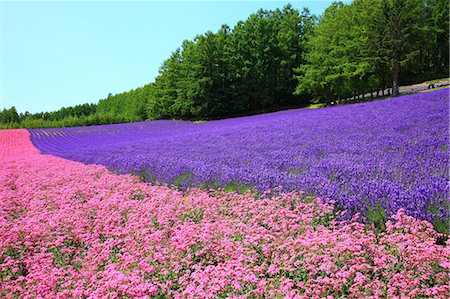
68, 230
371, 158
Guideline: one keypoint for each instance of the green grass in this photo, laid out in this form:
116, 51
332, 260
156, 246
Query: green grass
315, 106
441, 225
376, 215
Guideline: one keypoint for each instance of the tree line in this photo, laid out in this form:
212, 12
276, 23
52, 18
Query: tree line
232, 71
372, 45
280, 58
78, 115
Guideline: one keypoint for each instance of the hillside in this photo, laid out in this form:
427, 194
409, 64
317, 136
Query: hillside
72, 231
371, 158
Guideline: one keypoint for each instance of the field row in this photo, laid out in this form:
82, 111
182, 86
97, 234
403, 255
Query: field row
70, 230
373, 158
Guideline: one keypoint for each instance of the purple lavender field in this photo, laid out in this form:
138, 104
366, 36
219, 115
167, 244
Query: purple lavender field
373, 158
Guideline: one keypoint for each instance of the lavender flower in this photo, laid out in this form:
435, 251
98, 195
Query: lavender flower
372, 158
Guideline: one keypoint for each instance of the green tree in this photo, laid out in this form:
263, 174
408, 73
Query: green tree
10, 115
322, 74
404, 25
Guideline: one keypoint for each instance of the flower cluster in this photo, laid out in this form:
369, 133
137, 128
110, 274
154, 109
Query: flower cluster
69, 230
371, 158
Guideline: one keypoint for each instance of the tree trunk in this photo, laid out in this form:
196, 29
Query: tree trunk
395, 81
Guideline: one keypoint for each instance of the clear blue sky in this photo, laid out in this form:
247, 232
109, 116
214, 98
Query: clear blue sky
56, 54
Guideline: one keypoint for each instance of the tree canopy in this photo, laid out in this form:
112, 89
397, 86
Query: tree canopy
233, 71
372, 44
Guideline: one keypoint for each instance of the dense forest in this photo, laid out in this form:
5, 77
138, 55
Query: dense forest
280, 58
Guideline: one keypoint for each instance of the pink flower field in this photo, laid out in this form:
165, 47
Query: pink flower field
68, 230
